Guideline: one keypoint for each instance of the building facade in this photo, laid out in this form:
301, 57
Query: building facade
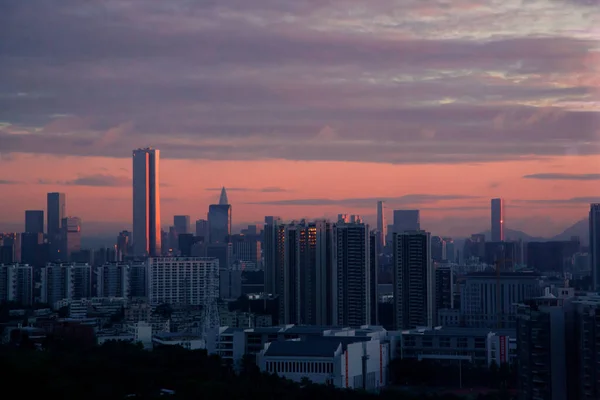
146, 202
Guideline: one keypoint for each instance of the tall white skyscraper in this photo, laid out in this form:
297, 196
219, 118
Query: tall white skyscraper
381, 225
146, 202
497, 220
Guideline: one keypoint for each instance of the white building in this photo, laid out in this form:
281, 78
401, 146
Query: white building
228, 343
186, 340
79, 309
16, 283
345, 362
183, 280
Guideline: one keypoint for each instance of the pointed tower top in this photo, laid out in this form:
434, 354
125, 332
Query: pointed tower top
223, 199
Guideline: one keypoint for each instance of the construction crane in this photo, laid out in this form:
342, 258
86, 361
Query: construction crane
498, 306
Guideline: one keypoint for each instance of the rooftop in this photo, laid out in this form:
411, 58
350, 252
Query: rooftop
313, 348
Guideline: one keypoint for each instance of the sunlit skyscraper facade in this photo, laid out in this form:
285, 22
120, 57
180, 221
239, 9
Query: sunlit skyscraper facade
595, 244
497, 220
146, 202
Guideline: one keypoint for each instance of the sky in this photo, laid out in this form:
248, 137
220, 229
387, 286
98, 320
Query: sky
304, 108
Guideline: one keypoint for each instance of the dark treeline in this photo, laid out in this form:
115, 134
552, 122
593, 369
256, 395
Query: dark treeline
118, 369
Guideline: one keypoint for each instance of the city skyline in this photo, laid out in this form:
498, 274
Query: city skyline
434, 102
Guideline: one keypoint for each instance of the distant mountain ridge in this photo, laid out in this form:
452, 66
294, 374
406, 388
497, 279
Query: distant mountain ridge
579, 229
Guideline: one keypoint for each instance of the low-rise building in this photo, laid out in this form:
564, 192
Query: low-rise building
342, 361
185, 340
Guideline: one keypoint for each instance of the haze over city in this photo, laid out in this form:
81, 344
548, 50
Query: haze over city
303, 109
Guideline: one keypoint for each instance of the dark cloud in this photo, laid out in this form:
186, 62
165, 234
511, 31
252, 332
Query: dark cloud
570, 201
564, 177
258, 80
99, 180
409, 199
8, 182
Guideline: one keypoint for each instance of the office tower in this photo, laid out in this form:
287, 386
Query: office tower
219, 220
113, 280
547, 357
437, 249
272, 260
497, 220
381, 226
183, 280
352, 276
34, 221
202, 229
407, 220
448, 250
246, 249
172, 241
146, 202
123, 245
414, 280
595, 245
185, 243
10, 248
16, 284
182, 223
486, 299
444, 288
71, 237
375, 249
30, 248
56, 210
501, 254
65, 282
552, 257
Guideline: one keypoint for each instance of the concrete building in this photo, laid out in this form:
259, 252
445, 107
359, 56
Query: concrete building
485, 305
272, 260
594, 255
182, 224
497, 214
182, 280
547, 371
34, 221
219, 220
349, 364
16, 284
587, 337
453, 345
146, 202
186, 340
381, 224
112, 280
202, 229
71, 237
65, 281
228, 344
56, 210
444, 287
414, 280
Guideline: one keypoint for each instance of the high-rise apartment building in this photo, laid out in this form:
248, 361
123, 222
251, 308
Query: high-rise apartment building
272, 240
414, 280
34, 221
497, 220
595, 244
112, 280
182, 224
183, 280
219, 220
71, 237
146, 202
381, 224
407, 220
352, 280
16, 284
66, 282
375, 249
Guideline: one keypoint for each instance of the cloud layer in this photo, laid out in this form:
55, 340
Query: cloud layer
396, 82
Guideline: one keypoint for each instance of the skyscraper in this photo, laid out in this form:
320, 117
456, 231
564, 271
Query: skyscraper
414, 280
146, 202
497, 220
352, 281
381, 226
271, 254
595, 244
182, 224
56, 210
407, 220
34, 221
71, 237
219, 220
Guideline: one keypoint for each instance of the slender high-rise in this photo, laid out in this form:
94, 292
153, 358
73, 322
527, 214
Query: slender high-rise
595, 244
34, 221
56, 211
219, 220
497, 220
381, 226
146, 202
